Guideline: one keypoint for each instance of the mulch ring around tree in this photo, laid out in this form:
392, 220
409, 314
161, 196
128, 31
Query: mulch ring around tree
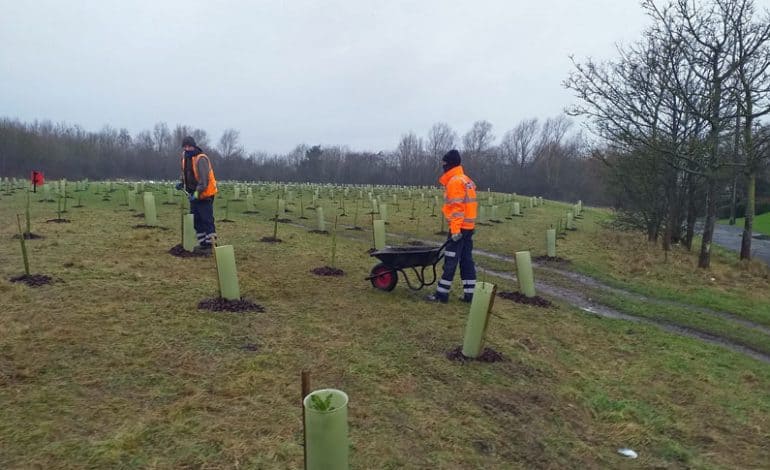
327, 271
151, 226
283, 221
223, 305
57, 221
227, 221
320, 232
520, 298
487, 355
270, 240
29, 236
180, 252
551, 259
33, 280
356, 228
138, 216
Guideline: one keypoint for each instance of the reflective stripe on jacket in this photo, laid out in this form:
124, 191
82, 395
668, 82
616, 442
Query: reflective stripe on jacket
460, 204
207, 185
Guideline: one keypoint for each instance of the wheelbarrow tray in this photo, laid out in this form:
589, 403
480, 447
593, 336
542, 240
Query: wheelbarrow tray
400, 257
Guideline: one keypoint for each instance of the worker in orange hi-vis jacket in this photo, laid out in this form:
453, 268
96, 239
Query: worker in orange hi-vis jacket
199, 183
460, 208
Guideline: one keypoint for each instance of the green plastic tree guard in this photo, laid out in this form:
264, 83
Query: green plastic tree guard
131, 197
249, 203
516, 208
550, 242
524, 273
228, 275
321, 220
281, 208
478, 319
326, 432
237, 193
379, 234
150, 214
384, 212
494, 212
189, 239
570, 224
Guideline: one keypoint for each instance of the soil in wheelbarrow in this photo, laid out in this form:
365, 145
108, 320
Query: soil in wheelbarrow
487, 355
270, 240
327, 271
180, 252
520, 298
236, 306
33, 280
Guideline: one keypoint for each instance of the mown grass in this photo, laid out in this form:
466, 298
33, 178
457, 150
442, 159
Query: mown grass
761, 223
113, 366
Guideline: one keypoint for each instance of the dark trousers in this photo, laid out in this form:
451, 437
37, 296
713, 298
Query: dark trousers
459, 252
203, 216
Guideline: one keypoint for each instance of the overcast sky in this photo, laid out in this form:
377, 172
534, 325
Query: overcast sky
354, 72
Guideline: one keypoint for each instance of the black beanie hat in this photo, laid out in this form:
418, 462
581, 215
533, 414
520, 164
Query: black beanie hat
452, 158
188, 141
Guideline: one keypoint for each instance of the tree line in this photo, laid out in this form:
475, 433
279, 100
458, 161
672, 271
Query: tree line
679, 117
548, 158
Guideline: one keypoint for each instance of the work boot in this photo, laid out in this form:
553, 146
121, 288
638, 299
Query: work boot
467, 298
203, 248
437, 298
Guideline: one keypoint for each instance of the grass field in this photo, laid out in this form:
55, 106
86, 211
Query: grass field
113, 366
761, 223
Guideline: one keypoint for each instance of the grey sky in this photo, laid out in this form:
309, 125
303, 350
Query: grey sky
359, 73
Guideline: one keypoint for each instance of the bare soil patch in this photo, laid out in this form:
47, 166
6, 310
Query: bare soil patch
33, 280
223, 305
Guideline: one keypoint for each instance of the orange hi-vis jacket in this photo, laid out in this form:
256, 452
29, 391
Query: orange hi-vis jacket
207, 187
460, 204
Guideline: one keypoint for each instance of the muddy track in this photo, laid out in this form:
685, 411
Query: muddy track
580, 298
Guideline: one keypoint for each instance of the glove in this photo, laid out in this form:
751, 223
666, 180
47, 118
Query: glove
456, 237
179, 186
193, 196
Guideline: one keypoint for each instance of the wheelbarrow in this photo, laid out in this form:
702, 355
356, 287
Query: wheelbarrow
397, 259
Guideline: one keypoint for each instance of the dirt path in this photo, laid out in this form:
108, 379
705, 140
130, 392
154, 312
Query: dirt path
580, 299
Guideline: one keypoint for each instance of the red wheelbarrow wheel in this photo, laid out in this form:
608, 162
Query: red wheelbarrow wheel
384, 277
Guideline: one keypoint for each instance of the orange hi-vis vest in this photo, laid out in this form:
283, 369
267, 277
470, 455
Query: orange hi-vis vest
211, 187
460, 204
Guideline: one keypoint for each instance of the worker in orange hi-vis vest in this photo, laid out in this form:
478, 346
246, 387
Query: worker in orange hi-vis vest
201, 186
460, 211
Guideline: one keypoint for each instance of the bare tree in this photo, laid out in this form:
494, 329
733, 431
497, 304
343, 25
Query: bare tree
410, 157
229, 146
441, 139
479, 138
517, 144
162, 137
